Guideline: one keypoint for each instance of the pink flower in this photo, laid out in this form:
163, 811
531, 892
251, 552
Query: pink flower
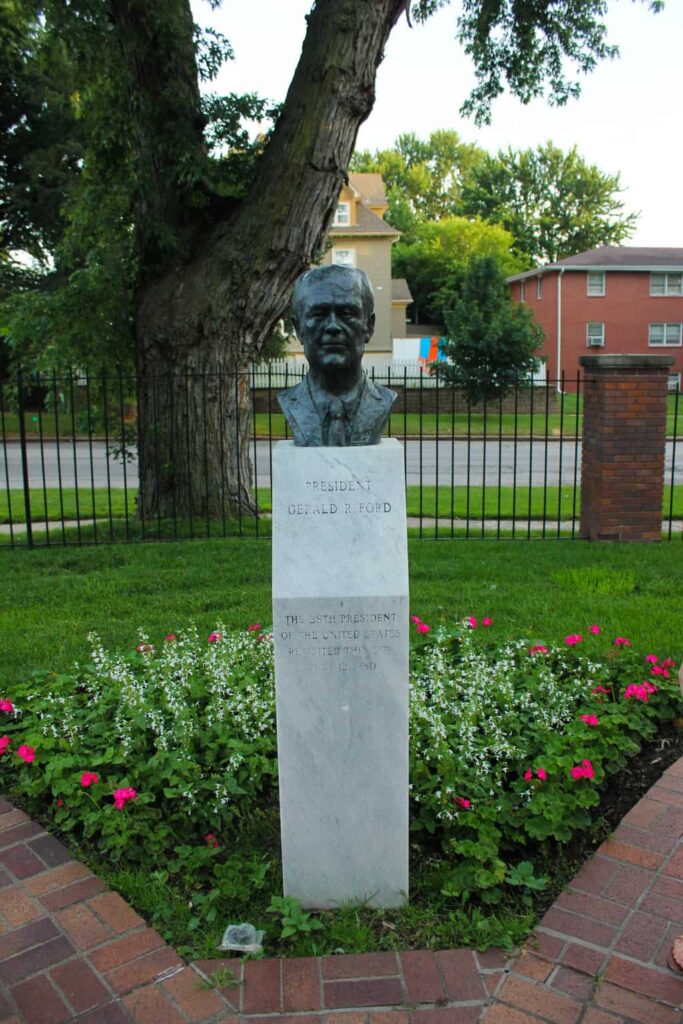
649, 687
538, 649
599, 689
215, 637
253, 629
594, 629
4, 743
422, 627
144, 648
573, 638
589, 719
7, 706
583, 771
89, 779
652, 658
639, 692
659, 670
542, 774
26, 753
668, 663
121, 796
415, 619
170, 637
528, 775
211, 840
472, 621
486, 621
621, 641
462, 801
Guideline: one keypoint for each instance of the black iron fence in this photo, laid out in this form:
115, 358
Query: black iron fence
71, 472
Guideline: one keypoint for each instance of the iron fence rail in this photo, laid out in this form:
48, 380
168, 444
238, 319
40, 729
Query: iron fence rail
510, 467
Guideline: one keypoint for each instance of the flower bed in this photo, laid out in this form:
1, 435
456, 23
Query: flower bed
162, 763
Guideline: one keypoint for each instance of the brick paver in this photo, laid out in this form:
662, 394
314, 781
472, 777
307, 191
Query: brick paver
73, 951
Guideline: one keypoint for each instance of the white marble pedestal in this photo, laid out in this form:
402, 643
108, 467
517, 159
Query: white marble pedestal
340, 623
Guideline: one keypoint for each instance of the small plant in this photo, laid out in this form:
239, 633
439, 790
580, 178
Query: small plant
293, 919
522, 874
221, 978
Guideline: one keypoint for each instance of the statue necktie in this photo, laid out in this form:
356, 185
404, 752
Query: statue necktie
336, 433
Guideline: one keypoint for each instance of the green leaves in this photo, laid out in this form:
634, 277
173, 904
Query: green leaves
491, 340
293, 919
522, 874
554, 203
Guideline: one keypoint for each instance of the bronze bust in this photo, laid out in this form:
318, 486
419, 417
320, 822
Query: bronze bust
336, 404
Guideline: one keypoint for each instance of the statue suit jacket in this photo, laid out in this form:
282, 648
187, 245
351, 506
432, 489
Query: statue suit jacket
366, 428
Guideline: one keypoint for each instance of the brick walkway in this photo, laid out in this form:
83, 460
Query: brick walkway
72, 950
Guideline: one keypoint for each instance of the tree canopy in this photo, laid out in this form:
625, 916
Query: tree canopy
554, 203
424, 178
436, 260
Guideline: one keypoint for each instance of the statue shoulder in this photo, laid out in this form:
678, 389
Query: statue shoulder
290, 396
381, 394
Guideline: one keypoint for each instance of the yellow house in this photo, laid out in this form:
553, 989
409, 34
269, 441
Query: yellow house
360, 237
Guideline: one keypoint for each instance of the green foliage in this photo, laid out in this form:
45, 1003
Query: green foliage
74, 175
424, 179
497, 736
495, 731
524, 46
436, 261
491, 340
555, 204
292, 919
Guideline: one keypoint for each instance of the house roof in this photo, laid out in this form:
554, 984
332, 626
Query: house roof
613, 257
368, 224
400, 292
370, 186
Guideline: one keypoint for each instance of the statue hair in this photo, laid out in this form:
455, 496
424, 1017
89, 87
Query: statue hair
332, 270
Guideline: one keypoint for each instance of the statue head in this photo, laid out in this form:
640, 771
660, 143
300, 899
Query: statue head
333, 313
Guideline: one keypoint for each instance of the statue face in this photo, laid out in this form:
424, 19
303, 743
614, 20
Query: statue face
333, 326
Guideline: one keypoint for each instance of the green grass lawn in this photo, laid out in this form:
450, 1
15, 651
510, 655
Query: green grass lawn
568, 421
519, 503
51, 600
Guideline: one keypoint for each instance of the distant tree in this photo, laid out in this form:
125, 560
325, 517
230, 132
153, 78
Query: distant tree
435, 262
424, 178
554, 203
490, 340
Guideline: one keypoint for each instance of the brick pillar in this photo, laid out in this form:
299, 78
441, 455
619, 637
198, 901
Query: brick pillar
622, 455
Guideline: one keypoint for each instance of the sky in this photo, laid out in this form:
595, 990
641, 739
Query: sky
627, 121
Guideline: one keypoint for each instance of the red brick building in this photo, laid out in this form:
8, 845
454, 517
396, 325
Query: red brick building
613, 300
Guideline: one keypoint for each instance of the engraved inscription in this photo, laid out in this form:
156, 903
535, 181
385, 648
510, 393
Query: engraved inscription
323, 638
315, 488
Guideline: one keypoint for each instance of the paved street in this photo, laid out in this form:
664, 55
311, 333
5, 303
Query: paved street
441, 462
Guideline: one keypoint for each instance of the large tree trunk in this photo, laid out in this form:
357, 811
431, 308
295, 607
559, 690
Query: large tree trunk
193, 439
211, 303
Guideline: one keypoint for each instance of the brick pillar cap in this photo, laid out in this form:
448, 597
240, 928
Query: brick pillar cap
624, 362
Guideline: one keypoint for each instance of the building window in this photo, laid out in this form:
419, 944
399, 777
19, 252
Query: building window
539, 288
666, 284
596, 283
664, 334
344, 257
674, 382
595, 335
522, 295
342, 217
